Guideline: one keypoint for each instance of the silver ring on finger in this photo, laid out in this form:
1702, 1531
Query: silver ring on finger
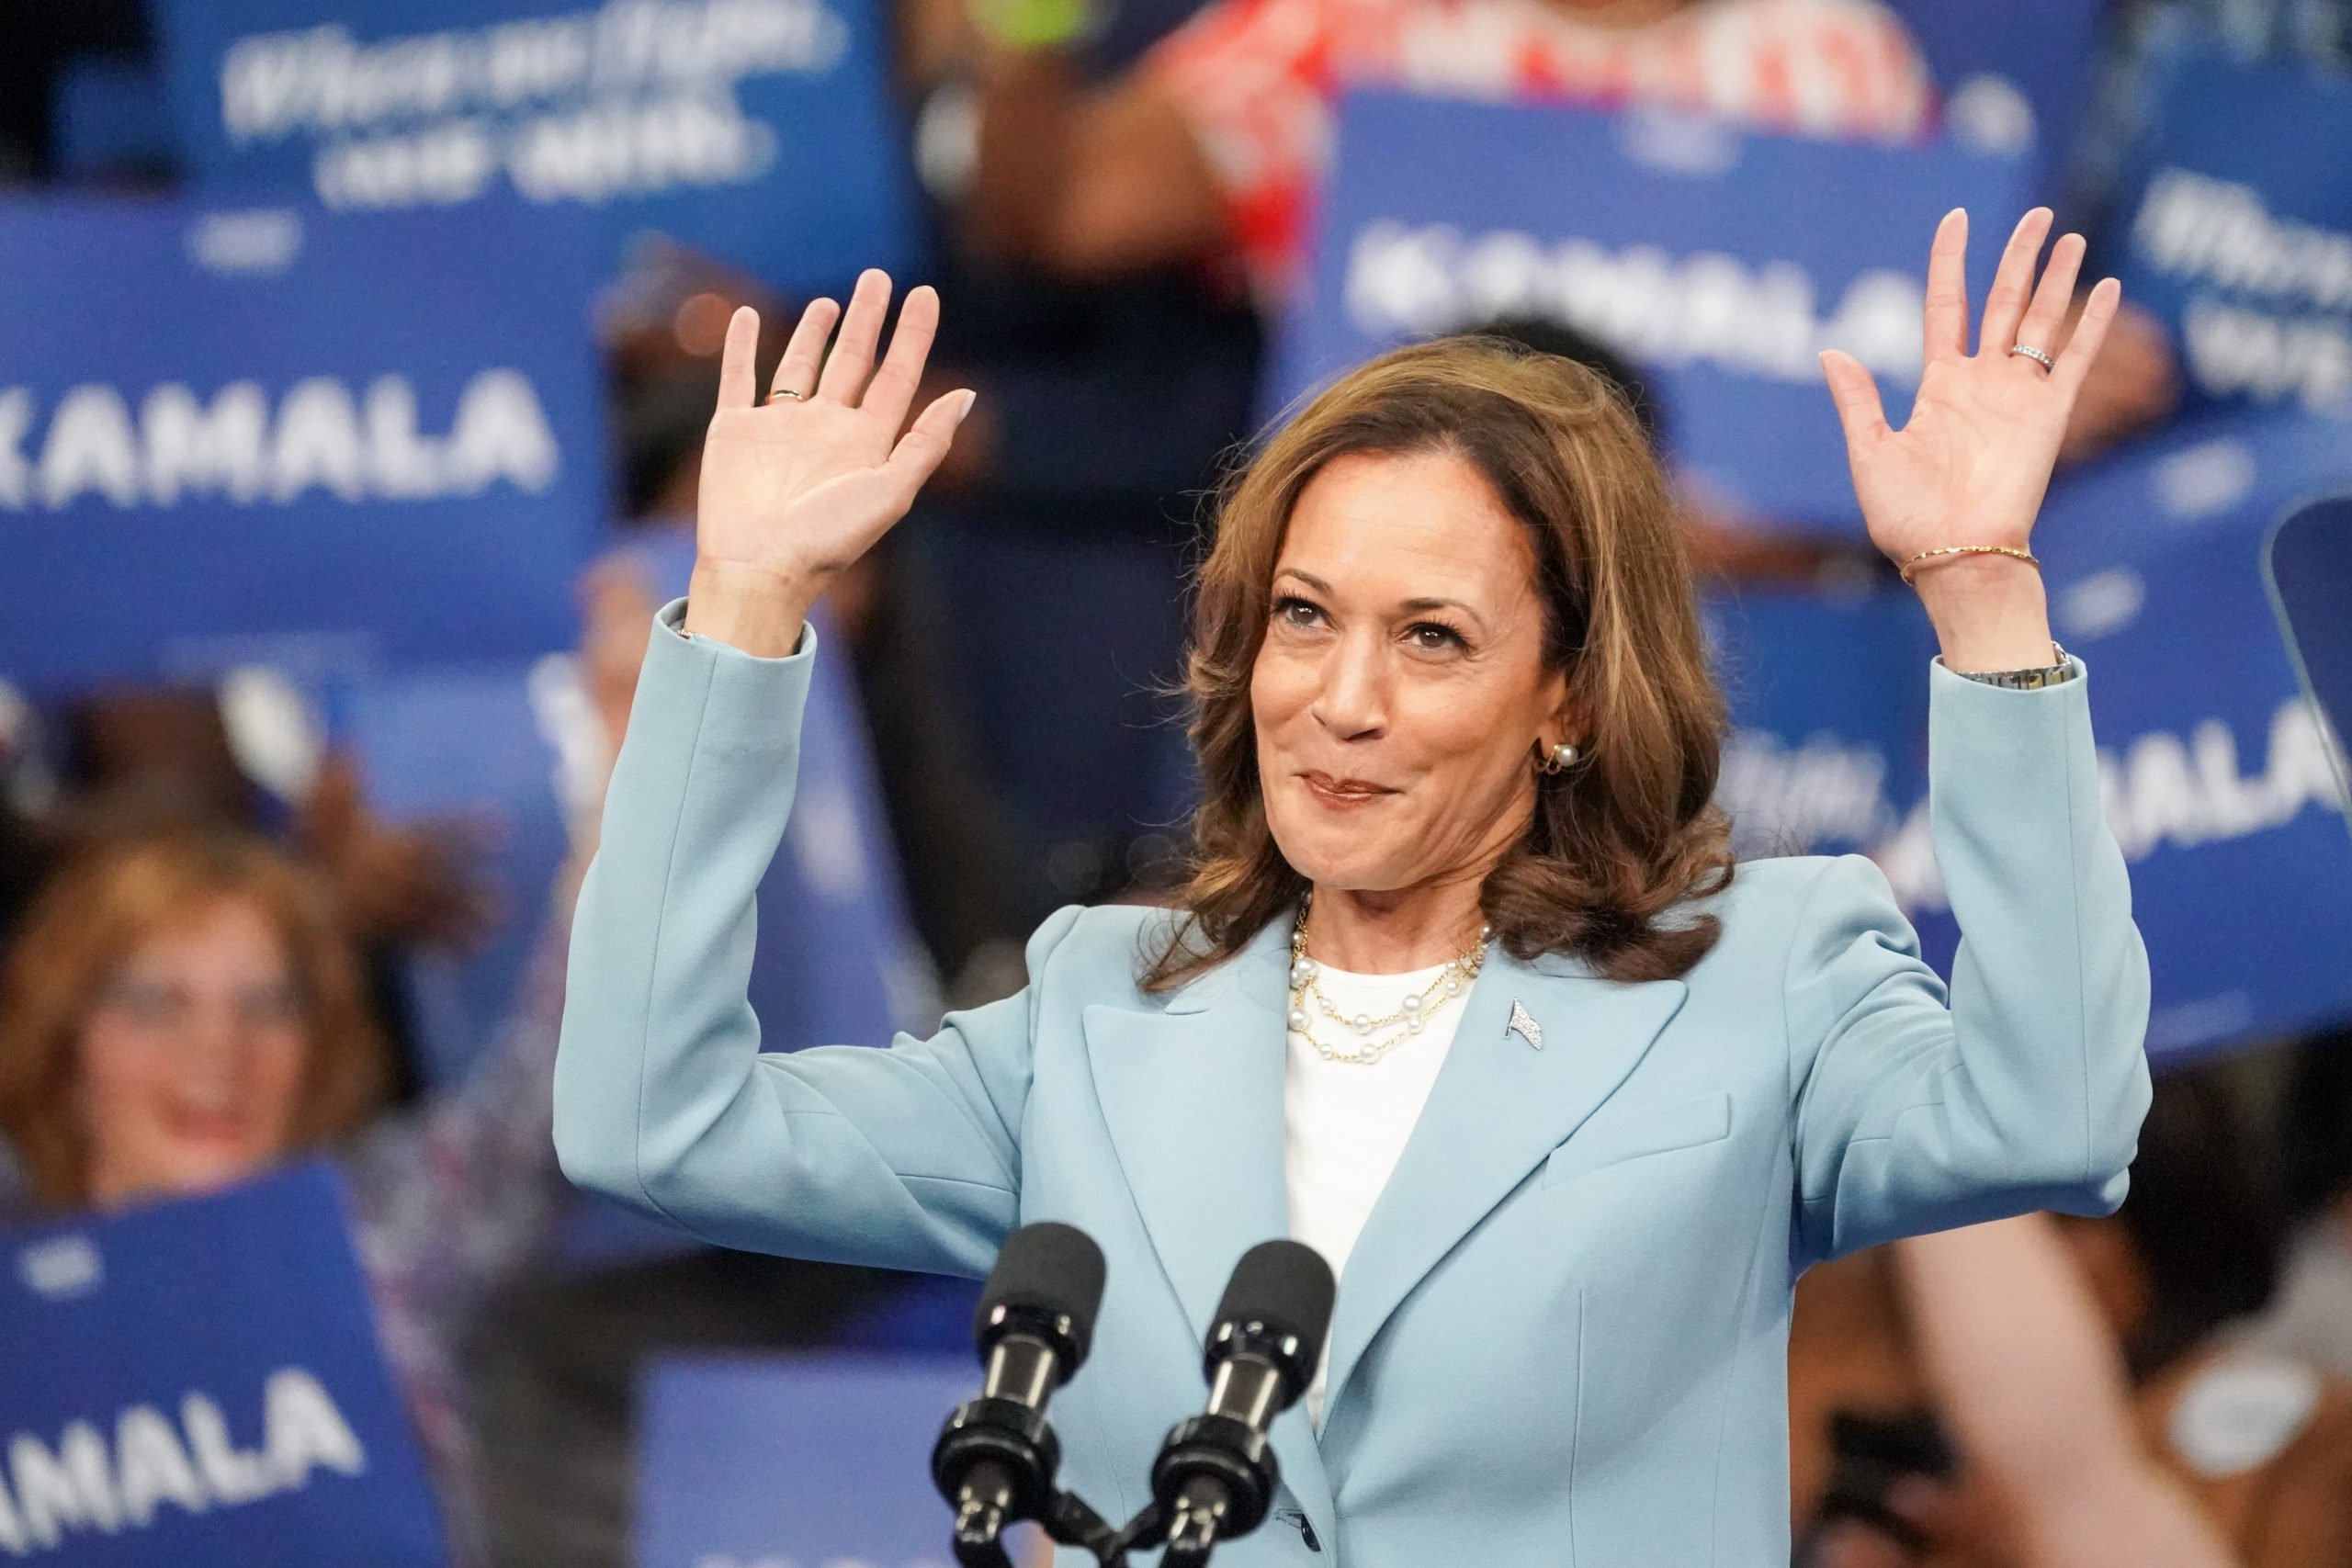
787, 392
2036, 355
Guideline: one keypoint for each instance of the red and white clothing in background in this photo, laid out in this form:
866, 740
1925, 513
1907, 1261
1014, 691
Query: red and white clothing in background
1260, 81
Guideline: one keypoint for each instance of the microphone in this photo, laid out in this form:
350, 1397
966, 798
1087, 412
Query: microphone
996, 1456
1215, 1475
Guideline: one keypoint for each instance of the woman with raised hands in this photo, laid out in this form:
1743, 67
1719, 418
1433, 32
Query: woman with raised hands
1464, 991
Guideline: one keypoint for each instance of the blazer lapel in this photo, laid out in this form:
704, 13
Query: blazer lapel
1192, 1095
1506, 1096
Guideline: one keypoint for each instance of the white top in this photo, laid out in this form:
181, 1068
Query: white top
1345, 1122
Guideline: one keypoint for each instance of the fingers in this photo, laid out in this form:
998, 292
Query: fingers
2090, 331
1856, 395
893, 388
739, 379
796, 371
2004, 306
924, 446
1947, 326
2056, 296
853, 355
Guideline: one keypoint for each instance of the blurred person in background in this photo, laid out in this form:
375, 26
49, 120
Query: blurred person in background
2098, 1377
1217, 143
2030, 1383
2311, 1316
181, 1010
141, 759
2261, 1437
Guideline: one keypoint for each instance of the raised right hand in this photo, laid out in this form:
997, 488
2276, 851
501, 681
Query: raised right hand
794, 489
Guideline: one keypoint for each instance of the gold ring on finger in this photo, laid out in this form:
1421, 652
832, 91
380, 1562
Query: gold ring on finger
787, 392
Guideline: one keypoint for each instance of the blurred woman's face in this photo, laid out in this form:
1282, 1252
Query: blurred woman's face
1401, 696
192, 1059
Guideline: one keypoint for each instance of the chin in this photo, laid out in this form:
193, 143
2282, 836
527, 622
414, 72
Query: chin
1328, 860
208, 1172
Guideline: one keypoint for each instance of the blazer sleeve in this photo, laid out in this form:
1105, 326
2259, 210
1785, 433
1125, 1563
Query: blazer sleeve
2023, 1086
906, 1158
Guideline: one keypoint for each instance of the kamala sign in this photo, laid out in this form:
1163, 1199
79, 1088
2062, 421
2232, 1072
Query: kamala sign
1723, 263
332, 442
197, 1384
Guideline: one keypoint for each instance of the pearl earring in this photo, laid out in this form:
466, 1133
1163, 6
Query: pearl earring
1561, 757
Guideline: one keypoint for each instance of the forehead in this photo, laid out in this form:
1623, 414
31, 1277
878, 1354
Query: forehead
1423, 524
225, 930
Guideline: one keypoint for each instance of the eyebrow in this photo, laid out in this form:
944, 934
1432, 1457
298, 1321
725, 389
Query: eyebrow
1410, 606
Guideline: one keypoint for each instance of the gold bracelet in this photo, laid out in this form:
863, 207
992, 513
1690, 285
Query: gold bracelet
1906, 567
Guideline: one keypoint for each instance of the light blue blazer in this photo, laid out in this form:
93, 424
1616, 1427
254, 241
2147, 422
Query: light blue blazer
1561, 1336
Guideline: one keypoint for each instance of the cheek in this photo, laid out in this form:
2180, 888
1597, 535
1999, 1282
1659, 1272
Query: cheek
123, 1074
280, 1059
1467, 734
1281, 687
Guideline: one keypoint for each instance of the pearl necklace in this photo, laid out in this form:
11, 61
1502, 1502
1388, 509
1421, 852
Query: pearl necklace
1413, 1012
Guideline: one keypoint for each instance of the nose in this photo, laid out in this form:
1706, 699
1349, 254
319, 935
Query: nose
212, 1050
1352, 704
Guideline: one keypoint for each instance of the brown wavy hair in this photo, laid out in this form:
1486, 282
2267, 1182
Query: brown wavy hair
1617, 841
99, 908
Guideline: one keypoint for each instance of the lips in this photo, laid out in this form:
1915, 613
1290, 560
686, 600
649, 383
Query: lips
1343, 792
209, 1126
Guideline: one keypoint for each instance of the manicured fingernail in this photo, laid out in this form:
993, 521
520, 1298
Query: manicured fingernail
966, 406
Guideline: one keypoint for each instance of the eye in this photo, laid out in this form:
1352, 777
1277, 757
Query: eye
1434, 637
269, 1006
1292, 611
150, 1004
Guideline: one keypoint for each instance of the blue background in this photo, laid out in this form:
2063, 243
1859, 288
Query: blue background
811, 1459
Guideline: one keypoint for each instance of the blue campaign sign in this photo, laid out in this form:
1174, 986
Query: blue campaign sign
761, 131
198, 1383
816, 1461
2241, 228
2308, 565
1721, 261
238, 436
2216, 772
2013, 75
1829, 700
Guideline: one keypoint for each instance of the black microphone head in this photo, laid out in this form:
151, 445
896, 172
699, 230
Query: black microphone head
1278, 1304
1048, 1282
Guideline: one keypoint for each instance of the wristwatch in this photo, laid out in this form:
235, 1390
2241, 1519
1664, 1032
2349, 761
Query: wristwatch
2032, 680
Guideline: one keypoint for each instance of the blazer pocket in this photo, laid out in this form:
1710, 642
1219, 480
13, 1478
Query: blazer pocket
1688, 1126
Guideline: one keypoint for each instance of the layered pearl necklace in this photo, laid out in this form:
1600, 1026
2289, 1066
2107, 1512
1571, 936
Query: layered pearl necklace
1412, 1014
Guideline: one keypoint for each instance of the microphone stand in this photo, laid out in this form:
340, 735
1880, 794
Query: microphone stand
1066, 1521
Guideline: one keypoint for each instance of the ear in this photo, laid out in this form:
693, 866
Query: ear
1566, 720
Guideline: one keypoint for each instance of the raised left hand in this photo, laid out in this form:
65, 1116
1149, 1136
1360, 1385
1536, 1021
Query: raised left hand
1971, 464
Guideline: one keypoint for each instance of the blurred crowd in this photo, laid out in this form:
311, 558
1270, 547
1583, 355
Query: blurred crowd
201, 966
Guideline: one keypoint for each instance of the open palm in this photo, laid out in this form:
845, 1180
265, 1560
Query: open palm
1971, 464
801, 485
